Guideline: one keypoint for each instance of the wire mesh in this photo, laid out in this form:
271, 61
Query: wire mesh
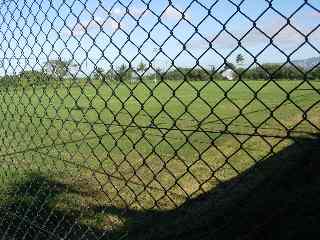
119, 117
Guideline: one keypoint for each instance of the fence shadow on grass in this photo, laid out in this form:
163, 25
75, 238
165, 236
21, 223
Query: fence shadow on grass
277, 199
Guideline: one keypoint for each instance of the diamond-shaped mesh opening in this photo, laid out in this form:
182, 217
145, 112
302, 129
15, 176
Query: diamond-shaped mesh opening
135, 119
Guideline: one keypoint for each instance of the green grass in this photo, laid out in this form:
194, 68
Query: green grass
150, 145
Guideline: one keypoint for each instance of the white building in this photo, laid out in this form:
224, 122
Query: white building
228, 74
135, 77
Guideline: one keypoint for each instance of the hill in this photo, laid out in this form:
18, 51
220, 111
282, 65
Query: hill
307, 63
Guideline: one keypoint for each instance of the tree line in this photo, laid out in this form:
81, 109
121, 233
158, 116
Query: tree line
59, 70
279, 72
143, 71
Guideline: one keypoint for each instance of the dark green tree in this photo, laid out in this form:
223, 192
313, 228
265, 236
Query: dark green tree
240, 60
141, 67
124, 73
228, 66
98, 73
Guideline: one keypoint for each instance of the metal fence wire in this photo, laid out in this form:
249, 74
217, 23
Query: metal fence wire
148, 119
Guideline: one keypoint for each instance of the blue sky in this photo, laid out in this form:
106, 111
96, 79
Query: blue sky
95, 33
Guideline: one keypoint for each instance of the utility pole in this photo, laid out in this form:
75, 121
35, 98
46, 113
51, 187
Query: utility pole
211, 70
155, 50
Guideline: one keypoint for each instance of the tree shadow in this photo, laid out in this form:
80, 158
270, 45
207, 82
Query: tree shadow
278, 198
30, 212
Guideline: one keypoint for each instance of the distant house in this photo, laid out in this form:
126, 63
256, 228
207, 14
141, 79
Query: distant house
228, 74
134, 77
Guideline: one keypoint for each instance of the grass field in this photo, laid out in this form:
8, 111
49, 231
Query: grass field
147, 146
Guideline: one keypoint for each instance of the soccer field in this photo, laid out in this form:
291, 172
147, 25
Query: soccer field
141, 144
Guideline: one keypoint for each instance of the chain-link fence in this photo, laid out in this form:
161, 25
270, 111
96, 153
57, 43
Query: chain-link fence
151, 119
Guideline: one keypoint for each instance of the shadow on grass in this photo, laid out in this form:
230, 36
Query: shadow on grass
31, 212
277, 199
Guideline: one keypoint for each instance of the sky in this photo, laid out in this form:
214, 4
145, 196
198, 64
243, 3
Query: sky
161, 33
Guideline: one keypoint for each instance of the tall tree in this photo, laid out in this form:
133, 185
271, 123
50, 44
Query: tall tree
98, 73
124, 73
240, 60
157, 74
212, 69
141, 67
58, 68
228, 66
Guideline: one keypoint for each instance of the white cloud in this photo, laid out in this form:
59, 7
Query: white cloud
314, 14
81, 28
117, 12
105, 20
176, 14
136, 12
287, 37
170, 12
